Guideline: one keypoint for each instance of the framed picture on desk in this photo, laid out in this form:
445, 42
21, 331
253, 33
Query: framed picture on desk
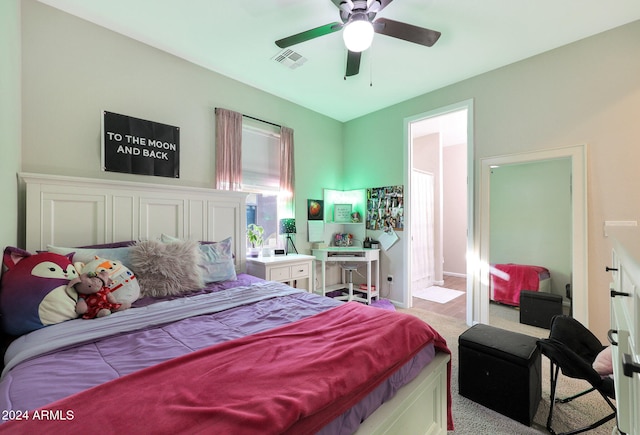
342, 213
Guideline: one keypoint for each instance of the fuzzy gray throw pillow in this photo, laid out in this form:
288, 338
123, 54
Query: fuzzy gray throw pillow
166, 269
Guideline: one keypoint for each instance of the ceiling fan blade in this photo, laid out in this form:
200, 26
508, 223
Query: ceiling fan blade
408, 32
378, 5
309, 34
343, 4
353, 63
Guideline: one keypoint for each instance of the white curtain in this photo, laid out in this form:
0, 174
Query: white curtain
422, 230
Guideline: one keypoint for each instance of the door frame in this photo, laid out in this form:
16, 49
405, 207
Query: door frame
577, 154
408, 164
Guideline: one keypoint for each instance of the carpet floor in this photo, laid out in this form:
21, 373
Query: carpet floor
473, 418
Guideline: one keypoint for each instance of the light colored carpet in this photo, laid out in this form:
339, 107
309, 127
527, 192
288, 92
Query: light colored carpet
437, 294
474, 419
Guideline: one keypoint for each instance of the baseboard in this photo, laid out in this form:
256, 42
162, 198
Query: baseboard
457, 275
399, 304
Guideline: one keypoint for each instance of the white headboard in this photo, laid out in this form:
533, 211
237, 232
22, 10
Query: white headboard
71, 211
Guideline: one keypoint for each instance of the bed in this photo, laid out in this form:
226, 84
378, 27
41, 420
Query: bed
507, 280
234, 355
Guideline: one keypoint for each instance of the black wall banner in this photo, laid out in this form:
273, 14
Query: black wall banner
136, 146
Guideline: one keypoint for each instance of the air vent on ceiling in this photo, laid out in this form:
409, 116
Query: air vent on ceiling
290, 58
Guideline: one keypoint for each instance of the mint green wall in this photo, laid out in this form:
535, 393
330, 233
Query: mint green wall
530, 210
9, 119
587, 92
73, 69
374, 150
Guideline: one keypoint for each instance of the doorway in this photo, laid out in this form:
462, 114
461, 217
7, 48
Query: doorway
577, 157
428, 134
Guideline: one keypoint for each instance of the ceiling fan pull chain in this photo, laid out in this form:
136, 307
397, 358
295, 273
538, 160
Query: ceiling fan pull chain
346, 66
371, 66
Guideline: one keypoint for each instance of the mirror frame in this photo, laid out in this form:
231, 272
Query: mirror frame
580, 296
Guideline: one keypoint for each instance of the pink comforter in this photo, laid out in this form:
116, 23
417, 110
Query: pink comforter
292, 379
517, 277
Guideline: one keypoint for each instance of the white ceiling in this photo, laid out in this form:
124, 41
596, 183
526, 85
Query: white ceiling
236, 38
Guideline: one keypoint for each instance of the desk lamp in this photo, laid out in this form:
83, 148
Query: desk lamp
288, 227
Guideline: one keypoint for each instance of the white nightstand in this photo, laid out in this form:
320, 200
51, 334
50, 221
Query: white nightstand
283, 268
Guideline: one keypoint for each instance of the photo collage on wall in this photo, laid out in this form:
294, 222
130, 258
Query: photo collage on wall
385, 208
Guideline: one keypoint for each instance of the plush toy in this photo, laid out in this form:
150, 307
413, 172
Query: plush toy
95, 298
33, 290
123, 283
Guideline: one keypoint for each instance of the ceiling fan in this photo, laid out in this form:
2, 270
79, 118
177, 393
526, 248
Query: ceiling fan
359, 23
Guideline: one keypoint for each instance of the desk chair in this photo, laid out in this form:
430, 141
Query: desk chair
347, 270
362, 293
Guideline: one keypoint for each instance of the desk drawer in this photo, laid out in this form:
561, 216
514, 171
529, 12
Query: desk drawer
300, 270
282, 273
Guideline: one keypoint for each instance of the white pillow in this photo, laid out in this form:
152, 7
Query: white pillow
85, 255
603, 364
217, 259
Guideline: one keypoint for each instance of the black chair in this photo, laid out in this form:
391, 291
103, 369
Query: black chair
572, 348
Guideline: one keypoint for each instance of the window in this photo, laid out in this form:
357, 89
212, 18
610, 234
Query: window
260, 157
261, 176
263, 167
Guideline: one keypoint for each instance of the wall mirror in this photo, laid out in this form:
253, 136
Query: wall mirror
574, 160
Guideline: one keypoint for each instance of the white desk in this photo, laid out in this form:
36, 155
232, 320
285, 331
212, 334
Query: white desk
351, 255
282, 268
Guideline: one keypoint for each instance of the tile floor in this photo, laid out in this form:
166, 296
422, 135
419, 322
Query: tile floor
456, 308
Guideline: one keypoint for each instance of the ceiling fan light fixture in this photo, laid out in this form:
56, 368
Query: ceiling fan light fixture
359, 22
358, 35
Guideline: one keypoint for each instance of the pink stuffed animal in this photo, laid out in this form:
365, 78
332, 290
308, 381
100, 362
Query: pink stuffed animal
95, 298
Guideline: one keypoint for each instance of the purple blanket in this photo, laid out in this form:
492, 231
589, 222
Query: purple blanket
41, 380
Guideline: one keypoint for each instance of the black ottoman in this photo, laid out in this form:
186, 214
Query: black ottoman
538, 308
501, 370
